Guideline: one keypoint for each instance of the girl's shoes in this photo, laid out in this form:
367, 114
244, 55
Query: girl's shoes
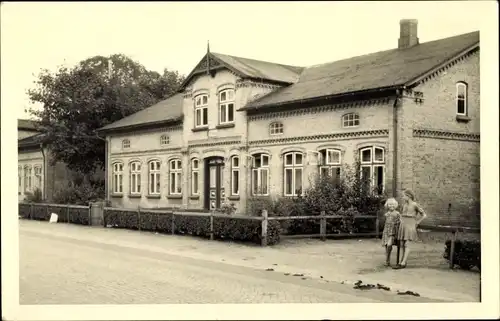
399, 266
387, 264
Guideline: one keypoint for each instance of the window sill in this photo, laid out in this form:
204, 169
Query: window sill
222, 126
463, 118
153, 196
234, 198
200, 129
174, 197
194, 197
116, 195
134, 196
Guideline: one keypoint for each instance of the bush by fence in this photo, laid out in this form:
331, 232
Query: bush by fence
467, 253
75, 214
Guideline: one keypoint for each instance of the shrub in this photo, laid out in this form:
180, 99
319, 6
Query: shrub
256, 204
121, 219
24, 210
467, 253
35, 197
81, 193
228, 208
192, 225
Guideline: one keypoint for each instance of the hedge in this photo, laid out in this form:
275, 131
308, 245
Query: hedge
42, 212
467, 253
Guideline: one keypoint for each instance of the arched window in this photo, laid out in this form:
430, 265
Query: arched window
164, 140
330, 164
276, 128
350, 120
461, 98
135, 178
201, 110
293, 167
117, 178
154, 177
27, 179
260, 174
126, 143
372, 161
38, 177
235, 175
226, 106
175, 167
195, 176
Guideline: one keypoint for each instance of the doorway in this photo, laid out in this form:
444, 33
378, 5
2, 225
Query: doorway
214, 178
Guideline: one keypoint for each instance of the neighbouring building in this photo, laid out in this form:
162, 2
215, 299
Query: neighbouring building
34, 169
241, 127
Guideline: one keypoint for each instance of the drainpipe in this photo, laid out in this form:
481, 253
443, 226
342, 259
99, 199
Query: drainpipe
395, 142
44, 173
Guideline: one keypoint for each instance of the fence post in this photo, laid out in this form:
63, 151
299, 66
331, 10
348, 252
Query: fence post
211, 225
139, 218
264, 228
67, 214
452, 247
31, 211
47, 212
322, 226
90, 214
173, 223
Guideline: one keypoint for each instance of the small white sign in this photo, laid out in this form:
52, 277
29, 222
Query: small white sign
53, 218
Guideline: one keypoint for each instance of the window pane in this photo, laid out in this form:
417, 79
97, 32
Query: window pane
366, 155
178, 183
289, 159
138, 183
265, 160
195, 182
333, 157
172, 182
223, 113
212, 176
379, 154
230, 112
263, 179
223, 96
198, 117
198, 101
205, 100
236, 161
461, 106
205, 116
235, 181
365, 177
298, 159
133, 183
120, 178
298, 180
157, 183
179, 164
288, 181
323, 171
336, 175
152, 183
379, 178
115, 183
255, 182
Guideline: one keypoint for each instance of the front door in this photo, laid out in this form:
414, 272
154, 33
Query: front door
214, 190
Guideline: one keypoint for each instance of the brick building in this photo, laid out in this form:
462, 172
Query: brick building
34, 169
240, 127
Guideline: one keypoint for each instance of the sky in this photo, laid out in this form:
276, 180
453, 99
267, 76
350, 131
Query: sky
174, 35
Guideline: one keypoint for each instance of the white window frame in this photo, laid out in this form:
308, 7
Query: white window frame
27, 179
226, 104
464, 99
263, 167
117, 178
293, 167
175, 176
235, 171
37, 170
276, 128
195, 171
199, 108
135, 176
350, 120
164, 140
154, 177
373, 164
327, 164
125, 143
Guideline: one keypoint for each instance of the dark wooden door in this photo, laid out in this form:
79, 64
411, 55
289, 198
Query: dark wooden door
214, 190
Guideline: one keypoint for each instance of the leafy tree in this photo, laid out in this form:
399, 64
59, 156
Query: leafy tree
76, 101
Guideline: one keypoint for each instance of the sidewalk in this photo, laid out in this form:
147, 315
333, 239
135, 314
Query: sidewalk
335, 260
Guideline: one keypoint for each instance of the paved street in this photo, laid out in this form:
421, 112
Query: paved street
68, 264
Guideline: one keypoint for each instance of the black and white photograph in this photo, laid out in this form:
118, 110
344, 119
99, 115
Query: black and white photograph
249, 160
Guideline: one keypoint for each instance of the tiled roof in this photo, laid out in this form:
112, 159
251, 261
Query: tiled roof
377, 70
26, 124
166, 110
262, 69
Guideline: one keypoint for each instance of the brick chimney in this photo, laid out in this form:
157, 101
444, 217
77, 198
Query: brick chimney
407, 33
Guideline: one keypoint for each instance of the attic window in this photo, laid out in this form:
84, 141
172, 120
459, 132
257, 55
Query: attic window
201, 110
164, 140
350, 120
276, 128
126, 143
461, 99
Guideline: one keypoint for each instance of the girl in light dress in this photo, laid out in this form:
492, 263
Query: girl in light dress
411, 216
392, 219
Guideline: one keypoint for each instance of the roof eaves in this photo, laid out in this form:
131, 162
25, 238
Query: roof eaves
313, 99
441, 65
169, 121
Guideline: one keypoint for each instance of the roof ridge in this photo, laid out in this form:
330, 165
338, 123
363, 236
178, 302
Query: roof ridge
257, 60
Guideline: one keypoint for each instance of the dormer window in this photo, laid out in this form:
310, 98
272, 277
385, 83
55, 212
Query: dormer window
276, 128
461, 99
201, 110
126, 143
226, 106
350, 120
